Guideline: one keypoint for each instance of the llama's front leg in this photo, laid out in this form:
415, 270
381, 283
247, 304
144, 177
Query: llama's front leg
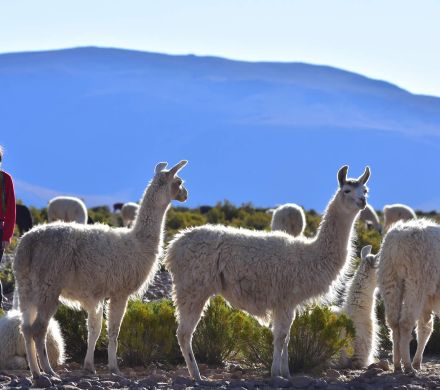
94, 326
424, 330
116, 312
282, 321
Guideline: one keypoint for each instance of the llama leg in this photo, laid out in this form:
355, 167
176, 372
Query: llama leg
39, 332
189, 317
94, 327
424, 330
116, 312
282, 321
28, 317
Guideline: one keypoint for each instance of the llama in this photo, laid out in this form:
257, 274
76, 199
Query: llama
85, 264
24, 218
267, 274
67, 209
359, 305
12, 351
370, 218
289, 218
396, 212
128, 213
409, 281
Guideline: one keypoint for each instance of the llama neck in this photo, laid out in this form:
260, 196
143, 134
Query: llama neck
360, 295
332, 246
150, 220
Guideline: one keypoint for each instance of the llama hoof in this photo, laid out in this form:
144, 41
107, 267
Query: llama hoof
398, 370
417, 365
89, 369
410, 371
116, 371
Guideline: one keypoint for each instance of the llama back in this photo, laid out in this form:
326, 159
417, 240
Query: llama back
408, 247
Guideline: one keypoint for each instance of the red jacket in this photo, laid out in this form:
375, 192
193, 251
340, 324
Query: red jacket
7, 219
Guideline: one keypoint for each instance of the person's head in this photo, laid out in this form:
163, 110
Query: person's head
1, 154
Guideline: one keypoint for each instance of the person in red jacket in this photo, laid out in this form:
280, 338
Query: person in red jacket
7, 213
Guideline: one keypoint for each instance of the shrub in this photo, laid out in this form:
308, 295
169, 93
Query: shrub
215, 339
148, 333
317, 335
73, 324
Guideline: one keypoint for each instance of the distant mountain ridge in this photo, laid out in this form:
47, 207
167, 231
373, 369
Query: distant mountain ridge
93, 121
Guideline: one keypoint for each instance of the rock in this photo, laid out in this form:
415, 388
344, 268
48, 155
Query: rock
27, 382
237, 374
83, 384
301, 381
332, 373
69, 387
320, 383
43, 381
373, 372
216, 384
4, 378
279, 382
336, 386
182, 380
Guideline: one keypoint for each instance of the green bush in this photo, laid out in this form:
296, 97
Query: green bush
148, 334
317, 335
215, 339
73, 324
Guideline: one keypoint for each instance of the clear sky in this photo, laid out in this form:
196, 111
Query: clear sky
393, 40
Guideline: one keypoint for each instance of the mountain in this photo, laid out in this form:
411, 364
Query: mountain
93, 122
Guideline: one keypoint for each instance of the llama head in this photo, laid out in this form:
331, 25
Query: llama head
352, 193
368, 258
170, 185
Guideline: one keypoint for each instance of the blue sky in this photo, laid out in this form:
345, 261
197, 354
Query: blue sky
393, 40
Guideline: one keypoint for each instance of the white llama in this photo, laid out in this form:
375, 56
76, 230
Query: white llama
267, 274
360, 306
409, 281
396, 212
290, 218
13, 352
67, 209
371, 220
89, 263
128, 213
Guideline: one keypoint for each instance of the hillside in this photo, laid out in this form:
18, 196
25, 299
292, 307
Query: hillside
93, 122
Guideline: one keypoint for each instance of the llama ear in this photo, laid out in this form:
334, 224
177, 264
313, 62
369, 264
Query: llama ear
177, 167
365, 176
342, 175
160, 167
365, 251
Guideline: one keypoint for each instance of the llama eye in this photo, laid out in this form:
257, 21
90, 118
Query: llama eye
347, 191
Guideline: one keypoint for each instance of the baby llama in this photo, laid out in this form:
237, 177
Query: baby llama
289, 218
267, 274
359, 305
409, 281
87, 264
371, 220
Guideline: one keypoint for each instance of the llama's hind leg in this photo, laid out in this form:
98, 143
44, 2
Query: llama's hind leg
189, 314
94, 327
39, 333
28, 317
424, 330
282, 322
116, 312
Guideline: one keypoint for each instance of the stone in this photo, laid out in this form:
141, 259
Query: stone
182, 380
279, 382
43, 381
301, 381
332, 373
84, 384
4, 378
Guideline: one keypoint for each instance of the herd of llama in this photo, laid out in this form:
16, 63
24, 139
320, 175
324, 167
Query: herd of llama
270, 275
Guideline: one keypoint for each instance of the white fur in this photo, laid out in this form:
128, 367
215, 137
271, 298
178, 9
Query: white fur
409, 281
87, 264
67, 209
268, 274
290, 218
396, 212
360, 305
12, 350
370, 218
128, 213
